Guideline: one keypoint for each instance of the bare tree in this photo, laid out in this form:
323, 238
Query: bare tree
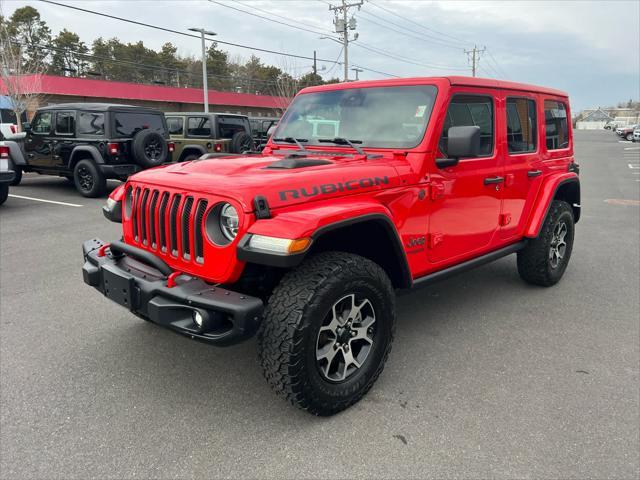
287, 85
19, 80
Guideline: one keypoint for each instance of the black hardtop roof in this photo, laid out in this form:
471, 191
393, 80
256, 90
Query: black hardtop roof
100, 106
203, 114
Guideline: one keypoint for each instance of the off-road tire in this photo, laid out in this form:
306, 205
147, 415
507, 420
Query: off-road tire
241, 142
144, 143
534, 263
97, 184
4, 192
294, 314
189, 158
18, 175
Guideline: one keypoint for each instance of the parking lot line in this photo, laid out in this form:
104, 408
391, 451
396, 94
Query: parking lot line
46, 201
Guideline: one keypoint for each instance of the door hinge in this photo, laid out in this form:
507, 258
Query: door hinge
435, 239
505, 219
436, 191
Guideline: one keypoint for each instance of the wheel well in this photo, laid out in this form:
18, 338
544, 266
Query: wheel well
570, 193
77, 156
190, 151
373, 239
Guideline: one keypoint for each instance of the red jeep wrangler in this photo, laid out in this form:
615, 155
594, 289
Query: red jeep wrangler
364, 189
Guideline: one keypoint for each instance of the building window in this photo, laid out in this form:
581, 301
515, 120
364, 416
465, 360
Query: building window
556, 125
521, 125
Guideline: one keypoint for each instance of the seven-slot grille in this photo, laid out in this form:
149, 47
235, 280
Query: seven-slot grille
168, 222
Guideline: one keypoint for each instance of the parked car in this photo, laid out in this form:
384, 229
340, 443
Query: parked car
195, 134
89, 143
636, 134
307, 242
627, 132
6, 172
8, 125
260, 128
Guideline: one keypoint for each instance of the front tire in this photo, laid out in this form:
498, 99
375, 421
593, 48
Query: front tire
327, 332
17, 176
89, 181
544, 260
629, 137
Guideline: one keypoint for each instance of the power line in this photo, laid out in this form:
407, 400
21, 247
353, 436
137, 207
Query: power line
501, 70
463, 42
404, 59
178, 32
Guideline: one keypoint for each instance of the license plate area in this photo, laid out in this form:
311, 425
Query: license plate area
119, 287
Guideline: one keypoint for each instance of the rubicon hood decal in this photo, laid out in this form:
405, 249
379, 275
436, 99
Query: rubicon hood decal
328, 188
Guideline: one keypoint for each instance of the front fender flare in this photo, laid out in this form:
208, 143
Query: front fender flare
317, 221
548, 191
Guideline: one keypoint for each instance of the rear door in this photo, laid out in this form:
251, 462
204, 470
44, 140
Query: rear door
64, 134
522, 166
464, 217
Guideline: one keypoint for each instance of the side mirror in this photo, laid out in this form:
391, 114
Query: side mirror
26, 127
462, 142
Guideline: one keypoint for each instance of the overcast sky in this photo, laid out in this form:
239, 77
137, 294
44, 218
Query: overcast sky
589, 49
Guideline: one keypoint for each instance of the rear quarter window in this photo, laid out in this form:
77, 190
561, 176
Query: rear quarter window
556, 125
127, 124
90, 123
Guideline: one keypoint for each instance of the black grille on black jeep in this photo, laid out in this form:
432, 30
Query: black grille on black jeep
155, 211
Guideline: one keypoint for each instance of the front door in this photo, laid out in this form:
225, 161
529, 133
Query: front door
466, 198
38, 142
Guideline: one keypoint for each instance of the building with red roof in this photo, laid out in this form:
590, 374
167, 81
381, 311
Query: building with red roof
55, 89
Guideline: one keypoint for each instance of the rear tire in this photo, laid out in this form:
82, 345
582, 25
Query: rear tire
88, 179
629, 137
544, 260
327, 332
4, 192
241, 142
190, 157
18, 176
149, 149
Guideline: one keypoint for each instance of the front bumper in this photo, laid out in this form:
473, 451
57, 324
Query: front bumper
7, 176
125, 278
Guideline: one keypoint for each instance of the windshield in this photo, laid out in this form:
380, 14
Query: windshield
382, 117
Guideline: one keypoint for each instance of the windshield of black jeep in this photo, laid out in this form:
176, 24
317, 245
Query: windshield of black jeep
380, 117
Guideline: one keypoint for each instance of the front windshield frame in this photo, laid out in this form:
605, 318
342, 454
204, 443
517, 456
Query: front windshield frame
305, 107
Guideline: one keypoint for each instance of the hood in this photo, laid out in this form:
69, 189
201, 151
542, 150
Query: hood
283, 181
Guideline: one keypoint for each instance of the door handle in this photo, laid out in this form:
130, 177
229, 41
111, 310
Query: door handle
493, 180
534, 173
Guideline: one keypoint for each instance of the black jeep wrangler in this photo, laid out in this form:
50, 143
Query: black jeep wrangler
91, 142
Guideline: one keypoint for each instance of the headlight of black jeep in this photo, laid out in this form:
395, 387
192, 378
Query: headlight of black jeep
222, 224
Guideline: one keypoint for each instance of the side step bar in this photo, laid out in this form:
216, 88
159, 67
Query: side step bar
468, 265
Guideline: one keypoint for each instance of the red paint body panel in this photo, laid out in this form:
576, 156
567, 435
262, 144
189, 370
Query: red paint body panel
442, 216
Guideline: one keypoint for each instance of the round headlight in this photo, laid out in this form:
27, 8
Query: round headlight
229, 221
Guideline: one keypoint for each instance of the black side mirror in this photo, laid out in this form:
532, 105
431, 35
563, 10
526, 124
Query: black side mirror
462, 142
26, 127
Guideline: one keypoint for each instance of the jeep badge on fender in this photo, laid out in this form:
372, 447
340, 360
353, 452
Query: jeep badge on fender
365, 188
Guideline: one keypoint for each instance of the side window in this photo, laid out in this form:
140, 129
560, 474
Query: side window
175, 125
199, 127
65, 123
90, 123
42, 123
556, 126
470, 110
521, 125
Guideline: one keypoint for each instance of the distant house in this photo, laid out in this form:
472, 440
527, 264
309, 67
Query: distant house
593, 119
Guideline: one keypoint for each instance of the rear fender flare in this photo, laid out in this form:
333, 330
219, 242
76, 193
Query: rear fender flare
78, 154
566, 187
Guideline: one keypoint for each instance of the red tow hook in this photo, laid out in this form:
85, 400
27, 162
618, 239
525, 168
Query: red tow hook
171, 279
102, 251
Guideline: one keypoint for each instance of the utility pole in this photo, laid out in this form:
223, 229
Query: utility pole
357, 70
474, 58
205, 87
343, 25
315, 65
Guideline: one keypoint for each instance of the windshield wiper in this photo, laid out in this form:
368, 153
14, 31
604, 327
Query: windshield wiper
297, 141
344, 141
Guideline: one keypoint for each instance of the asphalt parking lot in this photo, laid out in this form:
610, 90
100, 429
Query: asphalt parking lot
489, 377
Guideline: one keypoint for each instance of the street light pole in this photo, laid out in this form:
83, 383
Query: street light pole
205, 86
